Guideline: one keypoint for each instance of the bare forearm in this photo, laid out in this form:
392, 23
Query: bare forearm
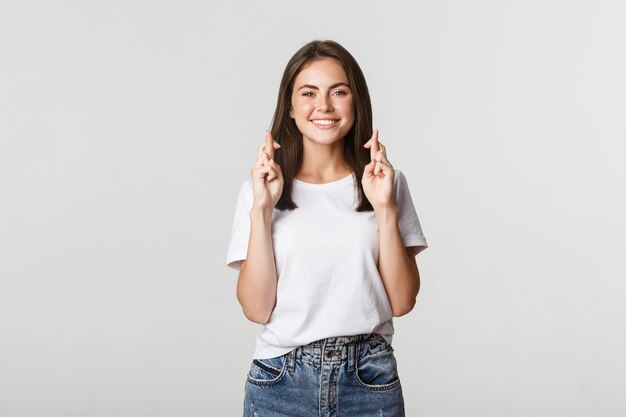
256, 286
400, 277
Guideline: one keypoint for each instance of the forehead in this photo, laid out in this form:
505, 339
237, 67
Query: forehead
321, 72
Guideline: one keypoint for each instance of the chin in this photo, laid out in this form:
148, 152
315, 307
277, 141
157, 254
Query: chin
325, 139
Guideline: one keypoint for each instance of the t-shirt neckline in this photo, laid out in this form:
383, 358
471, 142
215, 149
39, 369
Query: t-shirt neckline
326, 185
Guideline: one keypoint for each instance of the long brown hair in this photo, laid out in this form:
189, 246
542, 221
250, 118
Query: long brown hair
286, 133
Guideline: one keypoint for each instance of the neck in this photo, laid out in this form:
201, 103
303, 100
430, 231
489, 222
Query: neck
323, 162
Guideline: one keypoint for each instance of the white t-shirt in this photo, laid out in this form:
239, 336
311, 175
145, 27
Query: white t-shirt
326, 255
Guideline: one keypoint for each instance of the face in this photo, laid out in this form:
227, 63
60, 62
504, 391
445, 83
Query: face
322, 102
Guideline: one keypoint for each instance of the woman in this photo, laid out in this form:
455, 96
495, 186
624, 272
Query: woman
324, 237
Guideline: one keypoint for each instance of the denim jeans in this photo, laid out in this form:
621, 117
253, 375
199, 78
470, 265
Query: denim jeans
349, 376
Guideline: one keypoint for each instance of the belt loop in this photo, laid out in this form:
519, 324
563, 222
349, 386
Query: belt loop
291, 360
351, 357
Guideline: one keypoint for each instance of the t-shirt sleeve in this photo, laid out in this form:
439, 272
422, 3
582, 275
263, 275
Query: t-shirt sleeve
240, 232
408, 222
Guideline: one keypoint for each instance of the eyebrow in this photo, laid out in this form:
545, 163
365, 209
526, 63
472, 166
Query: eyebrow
315, 88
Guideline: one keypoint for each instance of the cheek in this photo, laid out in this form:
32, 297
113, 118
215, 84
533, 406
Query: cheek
348, 114
303, 110
307, 108
345, 107
301, 114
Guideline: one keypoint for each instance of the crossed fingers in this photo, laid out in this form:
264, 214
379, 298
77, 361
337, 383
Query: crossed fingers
378, 152
265, 157
266, 150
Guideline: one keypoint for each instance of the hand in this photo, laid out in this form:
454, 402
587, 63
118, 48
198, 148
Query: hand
267, 178
378, 175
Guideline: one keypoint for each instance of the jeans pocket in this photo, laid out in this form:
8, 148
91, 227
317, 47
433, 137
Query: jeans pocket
378, 371
267, 371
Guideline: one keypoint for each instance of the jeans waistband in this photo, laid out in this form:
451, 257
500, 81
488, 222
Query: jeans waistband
340, 348
341, 341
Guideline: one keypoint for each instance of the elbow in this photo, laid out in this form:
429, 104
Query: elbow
405, 299
254, 311
256, 315
405, 305
254, 307
402, 309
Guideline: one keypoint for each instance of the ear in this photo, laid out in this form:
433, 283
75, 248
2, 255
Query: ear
291, 111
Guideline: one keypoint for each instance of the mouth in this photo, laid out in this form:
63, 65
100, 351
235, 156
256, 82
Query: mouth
325, 123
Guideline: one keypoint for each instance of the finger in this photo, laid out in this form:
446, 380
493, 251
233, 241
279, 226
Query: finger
386, 168
260, 172
380, 157
381, 167
368, 170
264, 172
276, 144
276, 167
374, 148
259, 156
269, 145
271, 173
275, 170
262, 161
386, 160
382, 148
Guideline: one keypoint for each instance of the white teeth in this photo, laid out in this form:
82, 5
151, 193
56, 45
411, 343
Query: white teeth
324, 122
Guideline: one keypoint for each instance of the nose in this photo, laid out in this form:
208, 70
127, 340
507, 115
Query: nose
324, 104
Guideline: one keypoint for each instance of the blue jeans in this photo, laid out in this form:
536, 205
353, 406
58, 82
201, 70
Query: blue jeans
350, 376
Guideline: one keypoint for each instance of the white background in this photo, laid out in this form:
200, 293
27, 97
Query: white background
127, 127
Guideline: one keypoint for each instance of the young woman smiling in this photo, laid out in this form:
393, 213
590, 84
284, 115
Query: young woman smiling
325, 237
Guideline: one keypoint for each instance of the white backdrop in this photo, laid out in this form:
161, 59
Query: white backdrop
126, 128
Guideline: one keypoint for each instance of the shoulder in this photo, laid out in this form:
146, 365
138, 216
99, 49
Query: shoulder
246, 192
246, 186
399, 179
397, 174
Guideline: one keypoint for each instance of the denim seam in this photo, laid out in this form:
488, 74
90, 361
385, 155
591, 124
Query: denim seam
351, 358
266, 382
291, 361
362, 355
384, 387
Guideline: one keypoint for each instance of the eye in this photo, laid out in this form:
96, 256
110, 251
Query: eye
305, 94
343, 93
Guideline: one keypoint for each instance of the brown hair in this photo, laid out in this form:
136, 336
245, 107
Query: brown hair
286, 133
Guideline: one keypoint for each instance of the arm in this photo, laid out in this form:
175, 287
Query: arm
256, 285
258, 278
396, 265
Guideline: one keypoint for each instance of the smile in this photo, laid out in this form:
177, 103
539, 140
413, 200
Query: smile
324, 123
